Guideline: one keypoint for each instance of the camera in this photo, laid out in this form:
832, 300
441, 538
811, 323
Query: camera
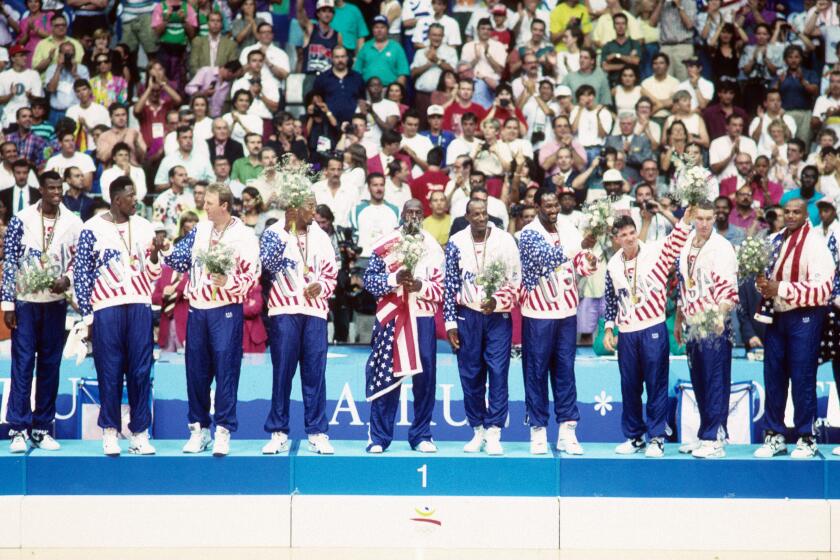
255, 81
504, 102
650, 206
68, 59
537, 137
176, 8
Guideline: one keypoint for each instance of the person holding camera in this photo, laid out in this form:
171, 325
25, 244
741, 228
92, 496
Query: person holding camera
653, 221
263, 87
60, 79
49, 49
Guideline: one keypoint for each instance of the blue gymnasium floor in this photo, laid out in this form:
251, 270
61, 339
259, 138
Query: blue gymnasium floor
80, 469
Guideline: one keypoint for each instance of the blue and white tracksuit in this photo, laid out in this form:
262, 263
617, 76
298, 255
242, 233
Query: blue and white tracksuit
39, 336
484, 339
215, 323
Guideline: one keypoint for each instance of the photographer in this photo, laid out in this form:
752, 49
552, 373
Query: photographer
653, 221
320, 127
264, 88
60, 78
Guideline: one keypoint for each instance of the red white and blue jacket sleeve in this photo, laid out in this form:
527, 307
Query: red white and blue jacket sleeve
13, 252
451, 285
84, 274
816, 289
180, 259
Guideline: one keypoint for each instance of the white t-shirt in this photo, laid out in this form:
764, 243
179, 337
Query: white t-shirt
823, 104
372, 222
721, 148
764, 138
270, 88
276, 56
170, 145
19, 83
538, 121
384, 108
496, 50
451, 31
252, 122
94, 115
460, 147
707, 90
59, 163
587, 133
341, 203
421, 146
137, 175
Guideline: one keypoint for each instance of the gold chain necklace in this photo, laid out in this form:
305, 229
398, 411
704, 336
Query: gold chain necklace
47, 241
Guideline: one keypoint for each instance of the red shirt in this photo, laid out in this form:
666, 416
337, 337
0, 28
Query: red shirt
452, 116
503, 114
423, 186
729, 185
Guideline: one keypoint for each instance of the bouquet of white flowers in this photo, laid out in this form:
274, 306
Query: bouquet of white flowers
493, 277
692, 185
753, 255
292, 183
705, 325
599, 217
218, 259
35, 276
410, 250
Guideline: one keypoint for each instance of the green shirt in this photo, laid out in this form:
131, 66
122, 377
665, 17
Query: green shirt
629, 46
243, 170
349, 22
597, 79
388, 64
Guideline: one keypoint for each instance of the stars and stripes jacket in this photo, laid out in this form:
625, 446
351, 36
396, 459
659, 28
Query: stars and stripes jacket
282, 255
549, 265
804, 269
109, 269
713, 279
23, 245
380, 278
200, 290
463, 266
651, 268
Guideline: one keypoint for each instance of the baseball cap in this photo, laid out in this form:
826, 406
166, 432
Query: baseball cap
325, 4
827, 201
17, 49
562, 91
498, 9
380, 19
434, 110
565, 190
612, 176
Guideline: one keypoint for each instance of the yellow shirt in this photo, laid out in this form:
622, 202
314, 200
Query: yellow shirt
605, 32
649, 34
562, 14
438, 227
45, 45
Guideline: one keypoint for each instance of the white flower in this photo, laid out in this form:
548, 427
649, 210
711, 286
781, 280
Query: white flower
602, 403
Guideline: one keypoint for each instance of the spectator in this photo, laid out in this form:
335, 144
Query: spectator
241, 121
340, 87
621, 51
788, 169
189, 157
674, 145
723, 150
137, 29
492, 158
759, 65
51, 51
744, 215
635, 147
439, 222
699, 88
660, 87
539, 109
40, 125
18, 85
263, 87
320, 127
431, 180
253, 205
320, 40
213, 50
723, 209
214, 84
645, 124
590, 121
566, 175
152, 110
349, 22
18, 184
568, 59
604, 30
653, 221
715, 115
120, 166
75, 199
628, 91
436, 135
591, 76
487, 57
744, 174
770, 111
462, 105
285, 140
120, 132
221, 172
248, 167
467, 142
798, 89
397, 188
566, 15
69, 157
29, 146
808, 193
725, 48
829, 224
826, 111
35, 26
381, 114
390, 143
173, 200
275, 59
107, 87
681, 111
676, 33
448, 25
561, 137
374, 217
175, 23
244, 27
340, 197
60, 80
87, 114
430, 62
382, 57
536, 44
649, 176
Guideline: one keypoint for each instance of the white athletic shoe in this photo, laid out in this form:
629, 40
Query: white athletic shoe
710, 449
835, 451
320, 443
806, 448
426, 446
690, 447
567, 440
279, 443
375, 449
493, 441
110, 442
774, 444
477, 441
539, 440
18, 443
199, 440
221, 443
140, 444
655, 448
631, 446
43, 440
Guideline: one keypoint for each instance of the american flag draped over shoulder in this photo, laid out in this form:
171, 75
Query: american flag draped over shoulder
395, 352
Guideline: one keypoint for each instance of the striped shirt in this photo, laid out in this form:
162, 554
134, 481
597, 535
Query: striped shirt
186, 257
136, 8
804, 269
295, 262
112, 265
708, 277
636, 290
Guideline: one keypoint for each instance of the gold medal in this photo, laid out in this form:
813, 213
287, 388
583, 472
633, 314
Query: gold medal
44, 258
636, 300
690, 283
134, 261
306, 269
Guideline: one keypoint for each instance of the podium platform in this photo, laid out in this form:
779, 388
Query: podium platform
403, 498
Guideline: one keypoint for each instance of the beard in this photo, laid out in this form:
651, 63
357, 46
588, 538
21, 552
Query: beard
411, 226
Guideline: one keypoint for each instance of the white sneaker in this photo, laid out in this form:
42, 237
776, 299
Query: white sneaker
631, 446
567, 439
140, 444
493, 443
539, 440
199, 440
426, 446
279, 443
835, 451
221, 443
710, 449
774, 444
477, 441
110, 443
690, 447
806, 448
375, 449
43, 440
655, 448
18, 443
320, 443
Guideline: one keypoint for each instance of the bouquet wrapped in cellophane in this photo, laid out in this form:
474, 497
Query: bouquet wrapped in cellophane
410, 250
493, 277
705, 325
36, 276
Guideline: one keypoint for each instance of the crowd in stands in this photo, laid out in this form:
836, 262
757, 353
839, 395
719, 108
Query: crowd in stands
442, 101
